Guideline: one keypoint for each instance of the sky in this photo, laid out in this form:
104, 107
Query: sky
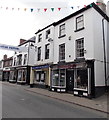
16, 24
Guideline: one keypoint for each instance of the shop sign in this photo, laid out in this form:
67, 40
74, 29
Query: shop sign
40, 67
69, 66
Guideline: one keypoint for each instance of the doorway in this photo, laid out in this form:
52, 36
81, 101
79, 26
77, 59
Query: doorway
69, 80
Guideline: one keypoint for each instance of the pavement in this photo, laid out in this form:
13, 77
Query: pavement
100, 104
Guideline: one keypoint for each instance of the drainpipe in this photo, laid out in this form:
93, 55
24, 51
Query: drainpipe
104, 51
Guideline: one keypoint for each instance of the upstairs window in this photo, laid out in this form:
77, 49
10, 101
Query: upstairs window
19, 59
39, 54
62, 30
40, 38
79, 22
47, 34
47, 51
80, 48
62, 52
25, 59
14, 61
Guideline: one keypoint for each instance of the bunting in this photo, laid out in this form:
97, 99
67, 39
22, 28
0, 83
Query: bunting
46, 9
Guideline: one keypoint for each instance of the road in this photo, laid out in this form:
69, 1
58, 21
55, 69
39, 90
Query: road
19, 103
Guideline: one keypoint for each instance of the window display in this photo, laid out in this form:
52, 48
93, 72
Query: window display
58, 77
81, 78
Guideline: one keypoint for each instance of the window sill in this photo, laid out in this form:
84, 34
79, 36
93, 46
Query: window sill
79, 29
62, 36
80, 89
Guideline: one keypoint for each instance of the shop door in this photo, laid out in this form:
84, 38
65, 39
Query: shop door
70, 80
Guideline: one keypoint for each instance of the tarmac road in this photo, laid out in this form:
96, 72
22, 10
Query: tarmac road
19, 103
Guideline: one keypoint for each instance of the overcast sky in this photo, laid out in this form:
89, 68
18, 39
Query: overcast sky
16, 24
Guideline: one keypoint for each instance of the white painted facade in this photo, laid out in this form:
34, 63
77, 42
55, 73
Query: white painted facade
44, 41
93, 41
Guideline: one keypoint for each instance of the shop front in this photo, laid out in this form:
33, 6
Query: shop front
13, 75
23, 75
6, 73
76, 78
41, 76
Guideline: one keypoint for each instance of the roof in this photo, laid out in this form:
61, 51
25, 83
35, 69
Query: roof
30, 40
76, 13
82, 10
45, 28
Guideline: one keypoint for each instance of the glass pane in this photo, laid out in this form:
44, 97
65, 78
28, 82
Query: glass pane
55, 79
82, 78
62, 77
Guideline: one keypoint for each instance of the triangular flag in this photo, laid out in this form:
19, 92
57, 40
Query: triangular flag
72, 7
78, 7
45, 9
52, 9
25, 9
59, 9
90, 5
31, 9
84, 5
38, 9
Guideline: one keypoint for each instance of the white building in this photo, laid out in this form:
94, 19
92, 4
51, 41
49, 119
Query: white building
79, 52
22, 62
44, 57
77, 46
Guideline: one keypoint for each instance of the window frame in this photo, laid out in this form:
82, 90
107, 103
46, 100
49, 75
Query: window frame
47, 51
79, 49
40, 37
47, 33
78, 22
61, 53
61, 29
39, 54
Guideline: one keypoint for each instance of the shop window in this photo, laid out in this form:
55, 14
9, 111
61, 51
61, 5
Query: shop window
19, 75
80, 48
62, 77
55, 81
79, 22
22, 75
58, 78
40, 76
81, 78
47, 51
62, 52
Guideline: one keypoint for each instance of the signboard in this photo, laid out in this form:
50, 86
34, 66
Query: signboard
12, 48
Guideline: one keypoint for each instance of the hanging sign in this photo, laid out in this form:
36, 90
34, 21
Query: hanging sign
12, 48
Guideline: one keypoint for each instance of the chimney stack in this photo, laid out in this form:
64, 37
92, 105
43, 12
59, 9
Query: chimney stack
5, 57
101, 5
22, 41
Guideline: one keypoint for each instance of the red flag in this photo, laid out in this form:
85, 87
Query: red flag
45, 9
59, 9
